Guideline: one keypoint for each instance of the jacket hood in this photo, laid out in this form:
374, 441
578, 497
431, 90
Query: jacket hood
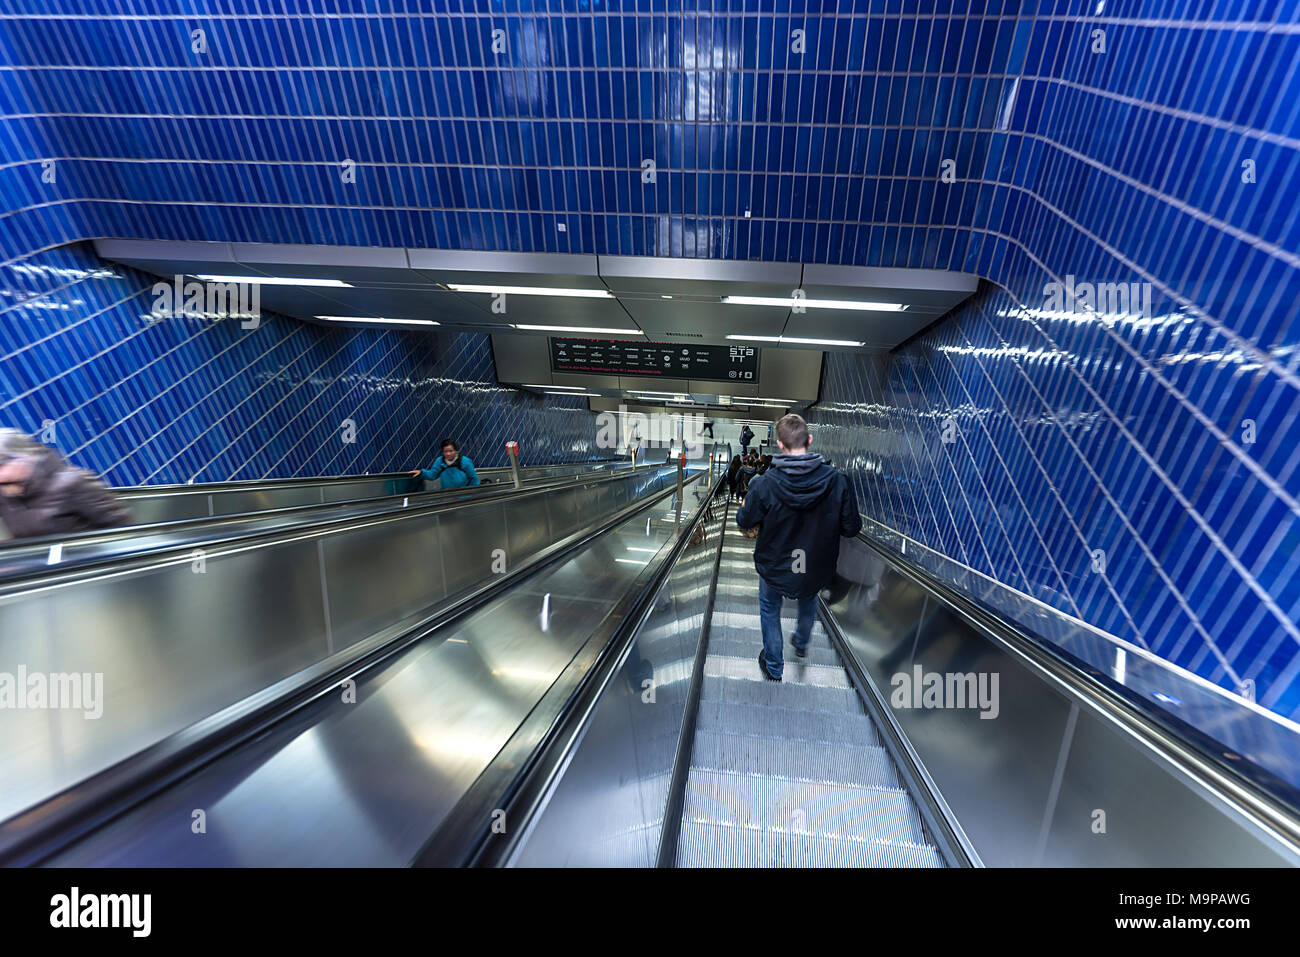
799, 482
46, 464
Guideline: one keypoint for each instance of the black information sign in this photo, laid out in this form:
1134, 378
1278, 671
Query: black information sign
669, 359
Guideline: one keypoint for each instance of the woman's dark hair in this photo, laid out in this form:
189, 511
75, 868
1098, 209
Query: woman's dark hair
734, 467
446, 442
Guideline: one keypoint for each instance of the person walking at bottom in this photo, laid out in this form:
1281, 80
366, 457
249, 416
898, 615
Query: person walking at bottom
801, 507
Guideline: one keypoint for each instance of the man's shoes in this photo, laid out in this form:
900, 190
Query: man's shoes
801, 652
763, 668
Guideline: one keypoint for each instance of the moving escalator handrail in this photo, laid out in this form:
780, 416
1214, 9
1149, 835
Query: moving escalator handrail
57, 557
670, 832
38, 833
521, 776
1264, 796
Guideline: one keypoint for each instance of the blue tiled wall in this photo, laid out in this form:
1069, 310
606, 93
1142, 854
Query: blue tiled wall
144, 401
1028, 449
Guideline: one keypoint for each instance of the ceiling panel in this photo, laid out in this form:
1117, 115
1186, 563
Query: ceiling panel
395, 283
882, 329
714, 321
687, 277
513, 269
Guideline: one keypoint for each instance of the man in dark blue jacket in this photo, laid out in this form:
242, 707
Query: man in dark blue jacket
801, 507
453, 470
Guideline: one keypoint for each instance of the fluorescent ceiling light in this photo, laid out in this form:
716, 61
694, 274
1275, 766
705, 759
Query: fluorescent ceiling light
823, 342
405, 322
532, 291
814, 303
593, 394
671, 394
277, 281
621, 332
805, 342
576, 388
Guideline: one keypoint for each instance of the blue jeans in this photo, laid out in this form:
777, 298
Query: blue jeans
769, 615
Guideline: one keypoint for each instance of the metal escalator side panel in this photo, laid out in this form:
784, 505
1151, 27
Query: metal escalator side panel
174, 642
1051, 773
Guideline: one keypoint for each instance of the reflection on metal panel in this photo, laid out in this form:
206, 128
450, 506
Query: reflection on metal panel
1044, 779
180, 637
366, 783
607, 810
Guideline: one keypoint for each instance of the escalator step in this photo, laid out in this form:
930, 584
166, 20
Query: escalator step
853, 728
846, 812
800, 675
716, 845
774, 694
830, 762
746, 645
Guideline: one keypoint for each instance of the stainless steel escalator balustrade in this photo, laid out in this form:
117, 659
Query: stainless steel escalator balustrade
366, 783
175, 643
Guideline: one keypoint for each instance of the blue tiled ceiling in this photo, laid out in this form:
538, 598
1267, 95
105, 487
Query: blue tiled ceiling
182, 399
1116, 142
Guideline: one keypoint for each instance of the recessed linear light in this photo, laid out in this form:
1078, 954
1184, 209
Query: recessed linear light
404, 322
645, 392
814, 303
594, 395
278, 281
802, 342
576, 388
532, 291
621, 332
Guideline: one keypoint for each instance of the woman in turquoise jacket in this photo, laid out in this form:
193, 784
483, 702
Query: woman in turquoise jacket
453, 470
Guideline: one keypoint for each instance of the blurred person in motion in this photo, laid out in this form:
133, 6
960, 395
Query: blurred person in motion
746, 436
764, 463
453, 470
748, 470
42, 494
733, 478
801, 507
707, 427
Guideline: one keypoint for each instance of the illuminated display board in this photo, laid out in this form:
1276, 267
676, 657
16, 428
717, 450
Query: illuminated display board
668, 359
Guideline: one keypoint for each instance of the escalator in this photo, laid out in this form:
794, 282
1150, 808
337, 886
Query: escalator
348, 761
789, 774
1068, 767
207, 618
168, 514
152, 504
605, 708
